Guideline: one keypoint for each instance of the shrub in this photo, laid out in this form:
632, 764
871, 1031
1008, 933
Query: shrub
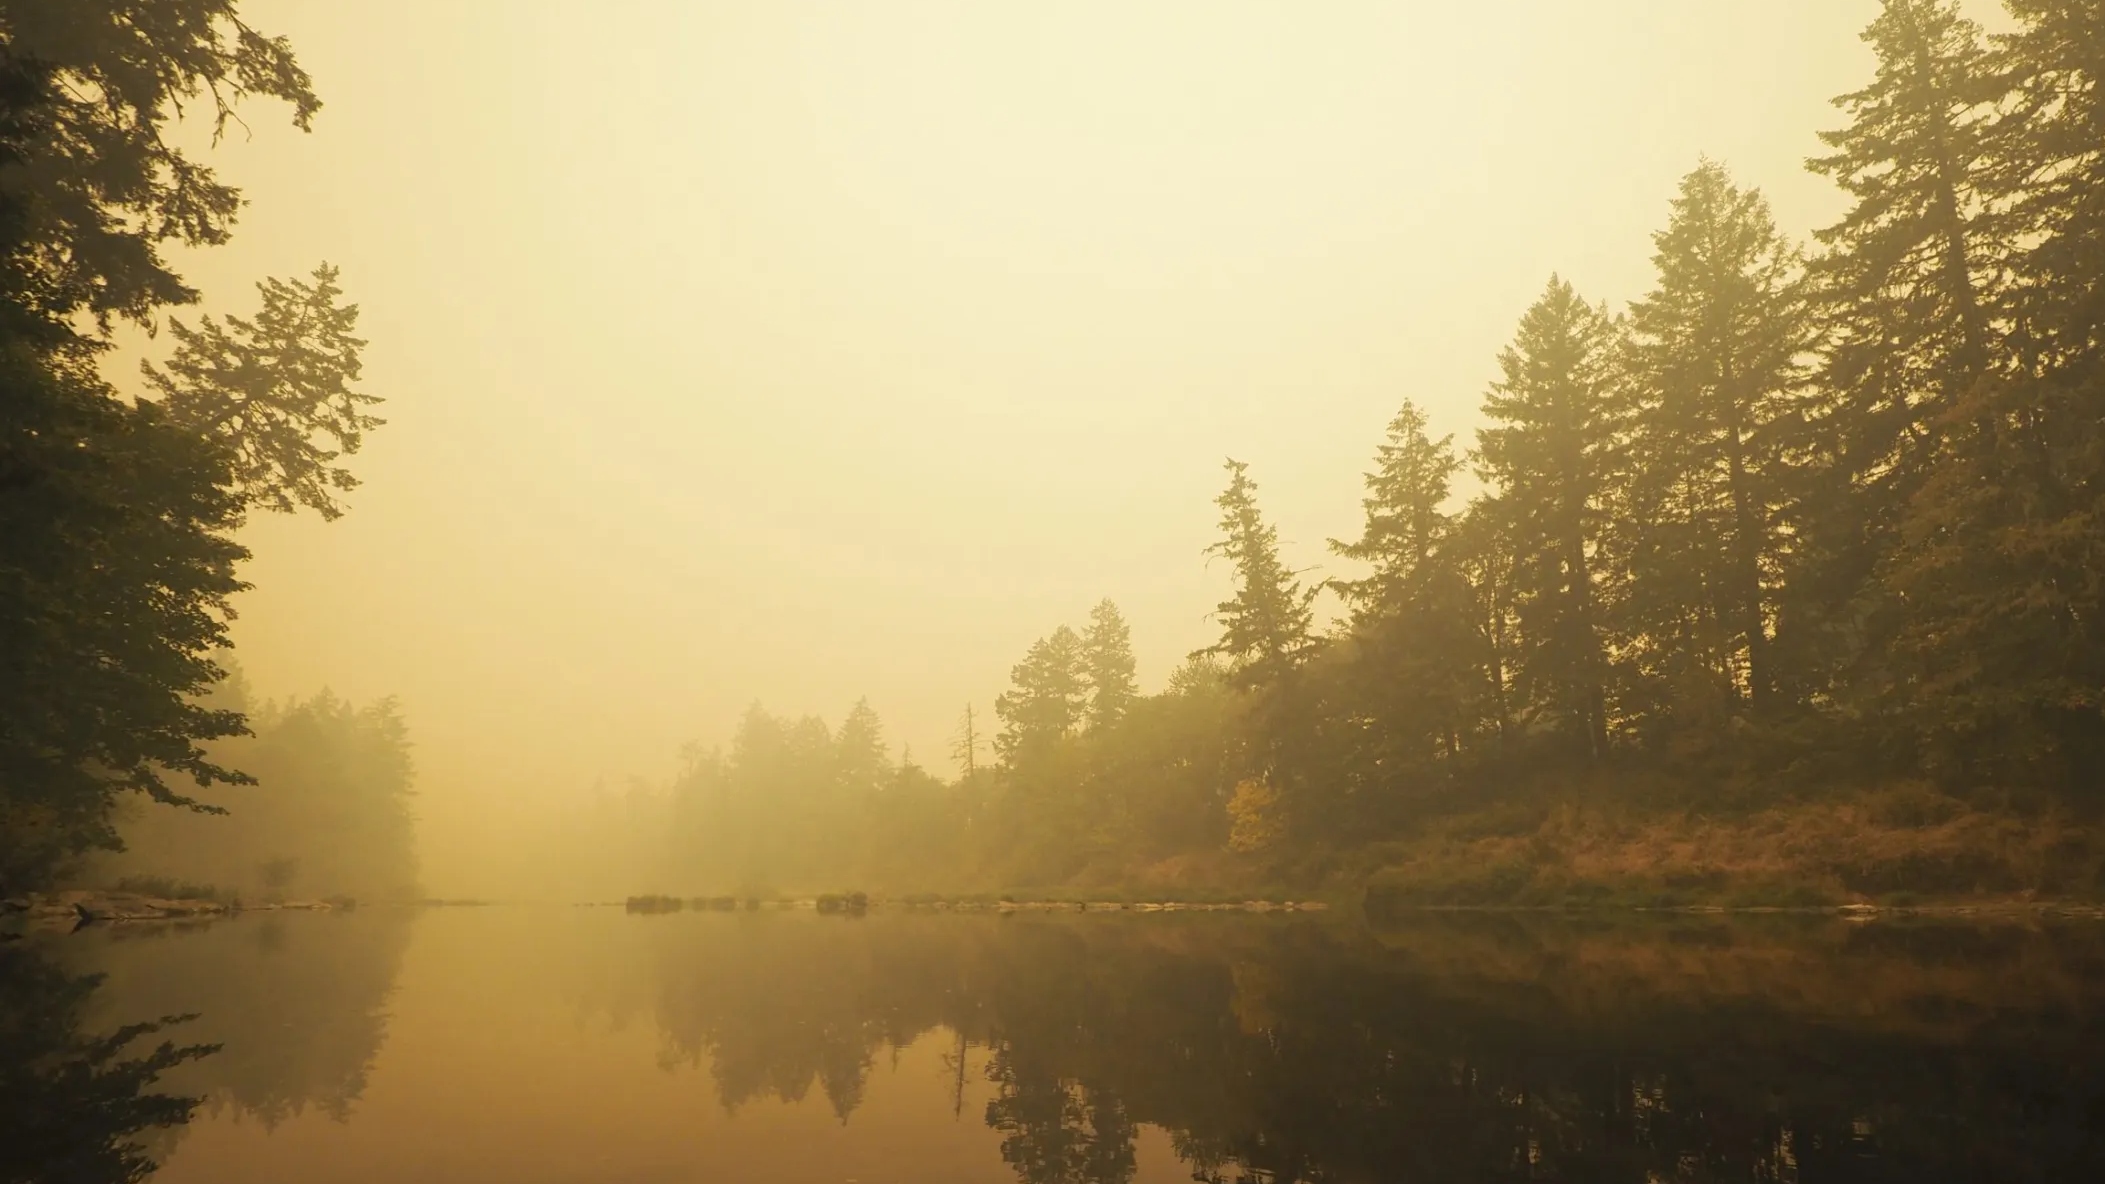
166, 888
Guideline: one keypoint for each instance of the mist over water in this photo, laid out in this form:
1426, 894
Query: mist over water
1085, 593
570, 1044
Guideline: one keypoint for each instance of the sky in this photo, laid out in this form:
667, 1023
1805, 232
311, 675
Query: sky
806, 351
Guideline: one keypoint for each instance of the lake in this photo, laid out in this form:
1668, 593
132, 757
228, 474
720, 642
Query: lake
551, 1045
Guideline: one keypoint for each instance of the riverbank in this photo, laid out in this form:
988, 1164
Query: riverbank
1902, 848
80, 907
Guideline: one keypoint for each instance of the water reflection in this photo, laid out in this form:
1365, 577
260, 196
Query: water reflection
79, 1105
1072, 1049
1456, 1048
294, 1005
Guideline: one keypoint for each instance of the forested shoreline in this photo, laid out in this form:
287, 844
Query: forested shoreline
1780, 584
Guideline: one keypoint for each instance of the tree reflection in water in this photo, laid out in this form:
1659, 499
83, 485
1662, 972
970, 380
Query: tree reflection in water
78, 1106
295, 1002
1477, 1047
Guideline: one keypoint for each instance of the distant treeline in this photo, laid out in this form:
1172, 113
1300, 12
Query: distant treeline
329, 814
1796, 522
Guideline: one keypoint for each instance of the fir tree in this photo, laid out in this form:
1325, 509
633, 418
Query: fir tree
1550, 456
1911, 285
1046, 701
1405, 523
1717, 379
1265, 627
1107, 666
859, 749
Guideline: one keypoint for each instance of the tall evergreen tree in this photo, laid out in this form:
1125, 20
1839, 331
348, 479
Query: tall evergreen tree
1912, 285
1046, 701
1915, 269
1997, 664
1481, 548
1265, 627
1107, 666
1405, 523
859, 745
1551, 456
1417, 665
1717, 380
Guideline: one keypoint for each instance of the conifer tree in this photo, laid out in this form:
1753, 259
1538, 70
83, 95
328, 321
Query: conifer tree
1417, 664
1912, 286
268, 386
1046, 700
1714, 363
1405, 523
1107, 666
1551, 455
1914, 270
1997, 664
1265, 626
1481, 546
859, 749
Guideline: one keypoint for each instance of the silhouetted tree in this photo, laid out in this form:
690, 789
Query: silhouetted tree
1047, 698
1716, 369
1550, 454
1265, 627
1107, 666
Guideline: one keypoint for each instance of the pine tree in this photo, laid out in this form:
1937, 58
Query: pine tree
1417, 667
1714, 361
2050, 165
1107, 666
1265, 627
1911, 286
1914, 270
1045, 703
1551, 457
1481, 547
1412, 477
1997, 665
859, 749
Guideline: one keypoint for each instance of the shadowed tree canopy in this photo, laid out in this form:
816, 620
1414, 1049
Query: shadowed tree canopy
270, 386
91, 188
118, 514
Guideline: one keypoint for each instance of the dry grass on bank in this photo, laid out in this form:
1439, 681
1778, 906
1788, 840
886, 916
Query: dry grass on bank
1903, 845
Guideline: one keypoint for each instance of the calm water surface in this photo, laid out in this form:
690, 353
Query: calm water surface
553, 1045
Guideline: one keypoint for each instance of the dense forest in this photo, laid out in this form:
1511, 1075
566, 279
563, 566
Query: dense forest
1805, 538
1787, 571
119, 514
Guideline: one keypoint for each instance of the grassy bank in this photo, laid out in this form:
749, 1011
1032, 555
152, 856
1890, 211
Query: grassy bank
1901, 846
